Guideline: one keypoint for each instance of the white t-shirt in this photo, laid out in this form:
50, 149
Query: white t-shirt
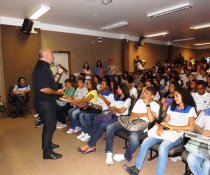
140, 107
80, 93
122, 103
181, 117
109, 96
202, 101
203, 120
133, 92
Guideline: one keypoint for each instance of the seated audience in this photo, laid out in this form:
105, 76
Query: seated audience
20, 95
180, 116
63, 107
80, 93
78, 115
201, 97
118, 107
147, 110
132, 90
197, 164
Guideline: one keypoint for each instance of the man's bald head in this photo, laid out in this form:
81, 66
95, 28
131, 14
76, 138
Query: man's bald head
46, 55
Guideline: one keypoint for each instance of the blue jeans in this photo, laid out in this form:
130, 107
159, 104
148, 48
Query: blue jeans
133, 140
74, 116
198, 165
164, 148
88, 121
98, 129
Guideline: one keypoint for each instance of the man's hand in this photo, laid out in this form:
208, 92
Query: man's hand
159, 131
60, 92
59, 70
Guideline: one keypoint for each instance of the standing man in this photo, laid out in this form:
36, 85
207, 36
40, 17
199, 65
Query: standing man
45, 93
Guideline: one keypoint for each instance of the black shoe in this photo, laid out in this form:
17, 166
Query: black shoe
52, 156
39, 124
54, 146
131, 170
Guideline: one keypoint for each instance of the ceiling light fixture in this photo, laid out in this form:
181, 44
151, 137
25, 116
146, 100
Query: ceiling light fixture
106, 2
200, 26
156, 34
184, 39
116, 25
42, 10
202, 44
169, 10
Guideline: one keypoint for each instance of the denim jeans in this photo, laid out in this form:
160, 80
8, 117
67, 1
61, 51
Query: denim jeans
47, 113
198, 165
97, 131
74, 116
164, 148
133, 140
88, 122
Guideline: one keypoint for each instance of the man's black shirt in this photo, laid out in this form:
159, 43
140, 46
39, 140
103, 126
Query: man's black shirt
42, 77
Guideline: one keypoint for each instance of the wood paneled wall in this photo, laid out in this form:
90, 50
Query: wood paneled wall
84, 48
20, 53
186, 52
149, 52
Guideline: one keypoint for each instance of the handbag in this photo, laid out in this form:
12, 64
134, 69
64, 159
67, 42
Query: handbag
132, 123
105, 116
200, 149
92, 108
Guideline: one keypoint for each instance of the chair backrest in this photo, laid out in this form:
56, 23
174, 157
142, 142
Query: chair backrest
10, 98
160, 115
133, 102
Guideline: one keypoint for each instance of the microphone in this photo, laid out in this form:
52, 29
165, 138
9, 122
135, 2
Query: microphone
64, 69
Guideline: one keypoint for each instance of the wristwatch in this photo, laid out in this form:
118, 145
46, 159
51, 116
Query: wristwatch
148, 105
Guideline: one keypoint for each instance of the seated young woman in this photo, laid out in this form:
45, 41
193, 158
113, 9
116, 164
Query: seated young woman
77, 114
179, 117
118, 107
105, 97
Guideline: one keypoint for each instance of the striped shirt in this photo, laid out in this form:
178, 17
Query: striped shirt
202, 101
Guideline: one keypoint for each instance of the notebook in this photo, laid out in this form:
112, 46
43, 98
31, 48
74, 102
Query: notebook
198, 137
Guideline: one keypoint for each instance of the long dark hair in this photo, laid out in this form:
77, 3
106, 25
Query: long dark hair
87, 65
97, 65
125, 91
187, 98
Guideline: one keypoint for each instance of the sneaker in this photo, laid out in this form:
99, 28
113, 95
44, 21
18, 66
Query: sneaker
109, 160
81, 135
61, 126
174, 159
119, 157
70, 131
132, 170
85, 138
39, 124
36, 115
58, 123
77, 129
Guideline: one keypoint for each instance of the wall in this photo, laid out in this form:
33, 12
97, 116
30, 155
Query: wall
203, 53
186, 52
84, 48
20, 53
2, 84
149, 52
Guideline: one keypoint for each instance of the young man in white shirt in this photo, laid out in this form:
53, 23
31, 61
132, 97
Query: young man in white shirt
147, 110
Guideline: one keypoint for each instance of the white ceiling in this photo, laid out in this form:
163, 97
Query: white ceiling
92, 15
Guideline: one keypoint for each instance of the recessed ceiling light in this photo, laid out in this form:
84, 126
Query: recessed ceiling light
202, 44
169, 10
156, 34
184, 39
116, 25
200, 26
42, 10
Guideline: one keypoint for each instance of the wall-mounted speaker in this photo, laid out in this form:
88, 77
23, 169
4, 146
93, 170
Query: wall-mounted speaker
141, 41
27, 26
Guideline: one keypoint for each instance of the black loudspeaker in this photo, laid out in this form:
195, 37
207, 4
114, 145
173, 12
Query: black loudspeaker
27, 26
141, 41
